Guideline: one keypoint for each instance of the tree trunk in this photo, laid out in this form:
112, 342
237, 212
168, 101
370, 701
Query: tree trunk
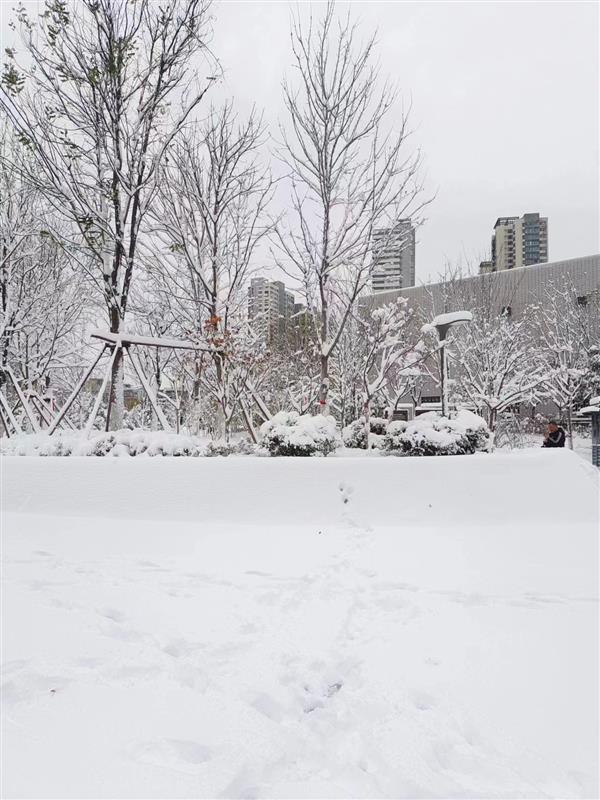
324, 388
367, 415
570, 424
116, 401
155, 424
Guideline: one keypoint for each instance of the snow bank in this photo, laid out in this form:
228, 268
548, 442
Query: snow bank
264, 491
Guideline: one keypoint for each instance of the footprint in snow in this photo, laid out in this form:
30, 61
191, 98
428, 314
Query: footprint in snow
346, 491
317, 699
423, 701
268, 706
111, 624
112, 613
184, 755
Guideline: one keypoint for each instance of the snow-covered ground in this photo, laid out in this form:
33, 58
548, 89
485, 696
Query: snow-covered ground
300, 628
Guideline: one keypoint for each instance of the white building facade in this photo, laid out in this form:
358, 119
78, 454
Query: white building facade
393, 257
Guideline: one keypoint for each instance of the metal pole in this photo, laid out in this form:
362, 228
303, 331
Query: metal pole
444, 377
96, 407
42, 409
23, 399
258, 400
5, 407
595, 422
148, 389
4, 421
58, 418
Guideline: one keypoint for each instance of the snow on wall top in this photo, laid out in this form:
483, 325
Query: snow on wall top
454, 490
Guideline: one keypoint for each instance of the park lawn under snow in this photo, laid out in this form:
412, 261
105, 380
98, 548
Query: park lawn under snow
300, 628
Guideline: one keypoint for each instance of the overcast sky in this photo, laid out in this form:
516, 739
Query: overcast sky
505, 107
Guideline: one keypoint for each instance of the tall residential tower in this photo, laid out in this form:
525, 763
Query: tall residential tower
270, 308
519, 242
394, 257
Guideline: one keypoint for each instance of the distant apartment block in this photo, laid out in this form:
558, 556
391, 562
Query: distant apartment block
394, 257
270, 309
518, 242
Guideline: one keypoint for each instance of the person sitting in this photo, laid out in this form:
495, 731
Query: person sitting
555, 436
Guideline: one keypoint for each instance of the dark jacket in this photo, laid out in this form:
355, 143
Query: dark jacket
556, 439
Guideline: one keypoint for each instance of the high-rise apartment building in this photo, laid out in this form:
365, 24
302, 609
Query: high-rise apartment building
519, 242
270, 309
394, 257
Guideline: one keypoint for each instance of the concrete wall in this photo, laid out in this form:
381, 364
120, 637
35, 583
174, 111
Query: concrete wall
506, 289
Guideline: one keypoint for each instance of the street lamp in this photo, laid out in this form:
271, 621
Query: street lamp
442, 323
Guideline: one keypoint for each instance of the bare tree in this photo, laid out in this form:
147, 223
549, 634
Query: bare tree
349, 174
497, 363
389, 351
41, 300
564, 332
288, 378
346, 362
211, 217
103, 89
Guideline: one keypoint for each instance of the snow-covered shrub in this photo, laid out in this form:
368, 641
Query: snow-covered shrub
38, 444
219, 447
160, 443
100, 445
377, 441
353, 435
433, 435
511, 431
137, 417
289, 434
111, 443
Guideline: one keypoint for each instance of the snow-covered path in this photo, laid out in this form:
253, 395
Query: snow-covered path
300, 628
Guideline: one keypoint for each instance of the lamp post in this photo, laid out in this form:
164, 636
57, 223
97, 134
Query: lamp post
442, 323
